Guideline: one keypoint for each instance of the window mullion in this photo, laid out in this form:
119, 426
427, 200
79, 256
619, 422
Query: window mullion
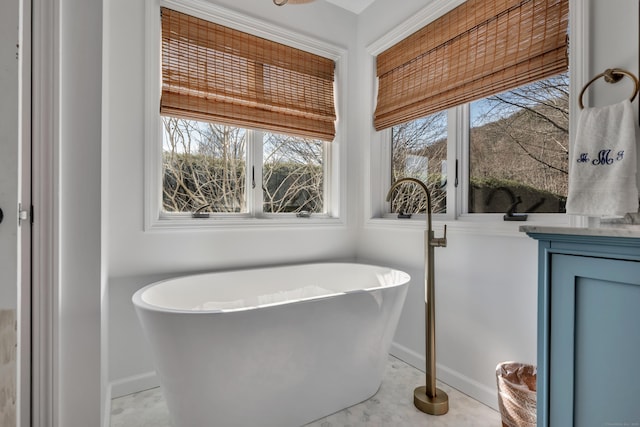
384, 180
453, 163
327, 190
462, 125
254, 173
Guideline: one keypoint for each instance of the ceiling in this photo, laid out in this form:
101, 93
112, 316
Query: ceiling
355, 6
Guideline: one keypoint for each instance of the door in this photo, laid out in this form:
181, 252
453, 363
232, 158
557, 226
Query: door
14, 232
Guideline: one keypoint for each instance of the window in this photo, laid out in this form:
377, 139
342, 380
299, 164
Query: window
517, 152
247, 127
293, 174
518, 149
478, 100
204, 167
419, 150
205, 170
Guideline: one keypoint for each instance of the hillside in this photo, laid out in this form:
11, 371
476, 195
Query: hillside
523, 154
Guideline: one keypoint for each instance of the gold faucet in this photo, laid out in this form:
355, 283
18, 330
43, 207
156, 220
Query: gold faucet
428, 398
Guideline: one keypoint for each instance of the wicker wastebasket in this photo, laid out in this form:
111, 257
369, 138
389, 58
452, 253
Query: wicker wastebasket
517, 394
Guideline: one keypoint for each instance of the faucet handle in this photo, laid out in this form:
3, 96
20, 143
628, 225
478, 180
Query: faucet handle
440, 242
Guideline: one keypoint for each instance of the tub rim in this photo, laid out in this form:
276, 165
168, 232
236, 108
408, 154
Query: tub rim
138, 301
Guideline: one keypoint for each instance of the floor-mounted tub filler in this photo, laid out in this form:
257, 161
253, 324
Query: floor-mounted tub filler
428, 398
278, 346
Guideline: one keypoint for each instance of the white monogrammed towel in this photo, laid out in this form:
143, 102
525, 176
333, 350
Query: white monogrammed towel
602, 169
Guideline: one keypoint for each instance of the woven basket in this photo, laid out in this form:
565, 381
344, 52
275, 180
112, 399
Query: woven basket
517, 394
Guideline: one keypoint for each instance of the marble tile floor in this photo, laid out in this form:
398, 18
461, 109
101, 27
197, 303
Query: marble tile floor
391, 406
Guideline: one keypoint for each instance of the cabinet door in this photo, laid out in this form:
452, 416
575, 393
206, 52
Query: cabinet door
594, 351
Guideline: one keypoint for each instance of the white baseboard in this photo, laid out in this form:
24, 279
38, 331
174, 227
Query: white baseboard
480, 392
133, 384
106, 420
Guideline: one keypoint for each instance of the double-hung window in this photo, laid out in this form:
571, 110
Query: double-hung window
477, 103
247, 125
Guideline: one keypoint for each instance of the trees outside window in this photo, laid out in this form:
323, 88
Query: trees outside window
205, 166
517, 154
519, 147
292, 174
419, 150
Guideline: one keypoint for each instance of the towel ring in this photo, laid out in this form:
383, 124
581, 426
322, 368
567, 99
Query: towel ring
611, 75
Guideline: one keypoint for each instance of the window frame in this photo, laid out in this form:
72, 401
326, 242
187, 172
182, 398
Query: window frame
335, 169
457, 216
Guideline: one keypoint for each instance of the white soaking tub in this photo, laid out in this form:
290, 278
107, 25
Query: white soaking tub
277, 347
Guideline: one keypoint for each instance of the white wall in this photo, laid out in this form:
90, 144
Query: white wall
486, 281
613, 44
78, 357
136, 257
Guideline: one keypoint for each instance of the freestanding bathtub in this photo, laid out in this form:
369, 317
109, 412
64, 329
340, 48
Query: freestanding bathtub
277, 347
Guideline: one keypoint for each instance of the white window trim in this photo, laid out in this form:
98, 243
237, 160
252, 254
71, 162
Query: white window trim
379, 181
335, 184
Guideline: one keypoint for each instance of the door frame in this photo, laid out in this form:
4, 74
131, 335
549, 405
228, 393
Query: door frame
44, 185
69, 376
24, 313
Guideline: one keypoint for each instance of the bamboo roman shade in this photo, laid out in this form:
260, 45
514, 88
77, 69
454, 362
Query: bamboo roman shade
215, 73
478, 49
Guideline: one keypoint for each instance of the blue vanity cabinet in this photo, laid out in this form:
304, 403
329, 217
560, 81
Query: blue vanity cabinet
588, 330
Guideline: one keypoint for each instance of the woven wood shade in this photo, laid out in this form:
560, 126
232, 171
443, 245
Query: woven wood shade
478, 49
218, 74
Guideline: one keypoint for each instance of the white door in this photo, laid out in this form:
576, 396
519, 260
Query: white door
14, 267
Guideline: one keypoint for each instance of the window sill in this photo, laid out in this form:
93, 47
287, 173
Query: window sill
228, 222
478, 224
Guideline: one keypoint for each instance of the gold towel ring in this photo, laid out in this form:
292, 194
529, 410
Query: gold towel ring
611, 75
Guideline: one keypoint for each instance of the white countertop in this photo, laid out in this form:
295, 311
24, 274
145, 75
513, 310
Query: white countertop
605, 230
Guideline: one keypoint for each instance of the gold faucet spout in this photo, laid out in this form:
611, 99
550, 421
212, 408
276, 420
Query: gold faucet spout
440, 242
